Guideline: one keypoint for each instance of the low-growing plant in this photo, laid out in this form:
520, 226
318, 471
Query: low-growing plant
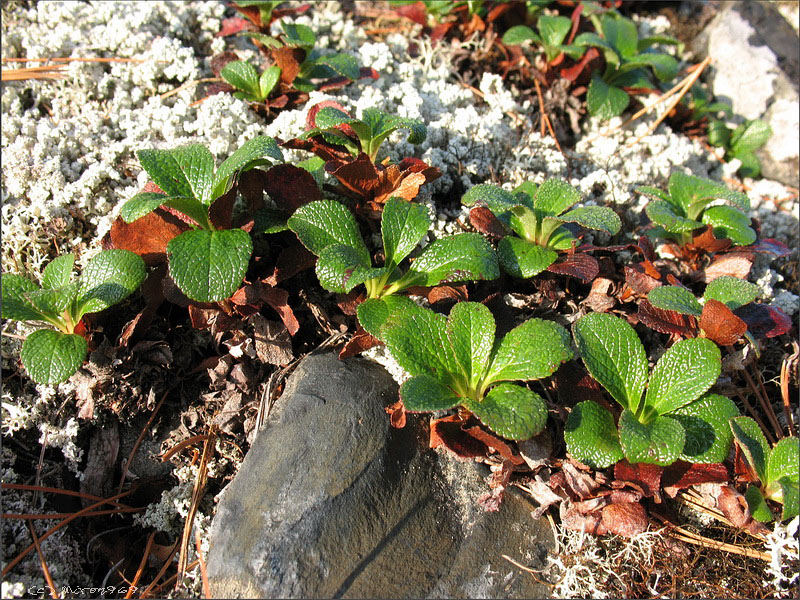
52, 356
552, 33
741, 143
629, 61
329, 230
538, 215
208, 262
456, 361
249, 84
674, 419
687, 206
775, 469
701, 104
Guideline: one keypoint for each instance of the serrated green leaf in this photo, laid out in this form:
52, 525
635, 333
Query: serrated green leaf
523, 259
298, 35
621, 33
324, 223
613, 355
705, 422
268, 80
592, 39
417, 339
694, 193
783, 460
750, 167
732, 291
591, 436
108, 278
190, 207
341, 268
664, 66
530, 351
345, 65
519, 34
600, 218
562, 239
653, 192
511, 411
185, 172
373, 312
658, 442
495, 198
718, 133
241, 75
524, 223
53, 303
790, 496
605, 101
252, 151
652, 40
753, 444
267, 40
51, 357
750, 136
663, 213
14, 304
471, 330
684, 372
553, 197
383, 124
59, 272
403, 225
757, 506
424, 393
460, 257
731, 223
676, 298
329, 117
554, 30
270, 220
141, 205
209, 266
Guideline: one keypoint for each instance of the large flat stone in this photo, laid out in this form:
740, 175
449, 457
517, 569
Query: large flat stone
331, 501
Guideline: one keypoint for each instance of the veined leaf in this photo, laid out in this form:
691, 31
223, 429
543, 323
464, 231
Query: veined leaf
59, 272
690, 191
605, 101
750, 136
14, 304
675, 298
185, 172
664, 66
659, 442
471, 330
553, 197
731, 223
373, 312
732, 291
621, 33
108, 278
141, 205
533, 350
511, 411
345, 65
519, 34
403, 225
591, 436
241, 75
753, 444
341, 268
460, 257
663, 213
791, 498
249, 152
495, 198
51, 357
705, 422
554, 30
524, 259
53, 302
268, 80
424, 393
601, 218
783, 460
324, 223
757, 506
298, 35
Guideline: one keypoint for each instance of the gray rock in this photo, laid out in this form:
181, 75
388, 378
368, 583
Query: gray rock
755, 60
332, 502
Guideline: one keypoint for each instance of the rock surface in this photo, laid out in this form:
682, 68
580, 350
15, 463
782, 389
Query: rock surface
332, 502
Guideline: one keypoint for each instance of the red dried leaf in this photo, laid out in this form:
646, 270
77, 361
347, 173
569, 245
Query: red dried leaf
288, 59
707, 241
447, 432
334, 83
218, 61
484, 221
232, 26
278, 298
646, 477
291, 187
666, 321
417, 12
573, 72
574, 385
447, 293
625, 519
768, 246
646, 247
720, 325
148, 236
734, 506
153, 294
311, 116
396, 412
252, 13
251, 186
580, 485
764, 321
735, 264
572, 519
318, 146
506, 451
598, 299
358, 175
579, 265
221, 211
204, 317
681, 475
357, 344
348, 303
272, 341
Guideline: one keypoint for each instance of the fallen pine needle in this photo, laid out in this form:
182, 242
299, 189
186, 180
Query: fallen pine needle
142, 565
684, 535
188, 84
203, 573
47, 577
48, 490
119, 60
37, 73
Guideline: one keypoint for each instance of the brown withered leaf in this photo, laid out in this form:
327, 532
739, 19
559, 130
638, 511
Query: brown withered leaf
763, 320
213, 318
544, 496
640, 281
397, 414
153, 293
768, 246
706, 241
666, 321
272, 340
291, 187
574, 384
221, 211
447, 293
598, 299
720, 325
505, 450
573, 519
578, 484
278, 299
484, 221
417, 12
579, 265
232, 26
625, 519
734, 264
357, 344
681, 475
572, 73
734, 506
291, 261
288, 59
348, 303
218, 61
148, 237
334, 83
645, 477
448, 432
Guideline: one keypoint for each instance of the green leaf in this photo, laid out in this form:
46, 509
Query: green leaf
653, 192
460, 257
108, 278
190, 207
345, 65
658, 442
417, 339
621, 33
373, 312
268, 80
471, 329
676, 298
554, 30
731, 223
241, 75
605, 101
613, 355
424, 393
267, 40
383, 124
403, 225
249, 154
750, 136
791, 497
185, 172
783, 460
329, 117
718, 133
341, 268
53, 303
694, 193
663, 213
14, 304
495, 198
511, 411
750, 167
141, 205
591, 436
732, 291
519, 34
682, 374
753, 444
59, 272
51, 357
601, 218
530, 351
324, 223
298, 35
270, 220
592, 39
664, 66
757, 506
524, 259
209, 266
708, 435
524, 223
652, 40
553, 197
